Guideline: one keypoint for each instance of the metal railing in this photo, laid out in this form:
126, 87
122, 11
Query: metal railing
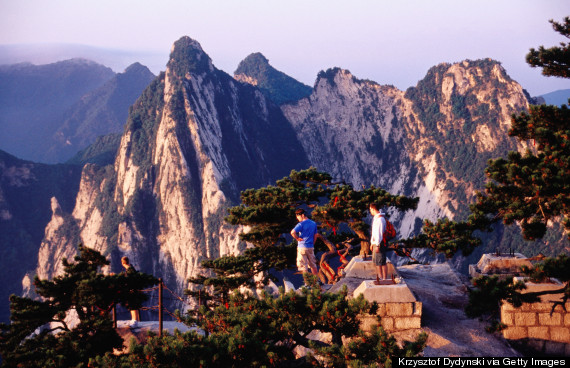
161, 287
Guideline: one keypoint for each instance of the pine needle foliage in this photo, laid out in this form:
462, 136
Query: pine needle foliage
39, 334
448, 237
554, 61
265, 330
489, 293
533, 188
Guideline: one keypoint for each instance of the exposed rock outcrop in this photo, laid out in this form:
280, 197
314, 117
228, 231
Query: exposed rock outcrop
432, 141
193, 141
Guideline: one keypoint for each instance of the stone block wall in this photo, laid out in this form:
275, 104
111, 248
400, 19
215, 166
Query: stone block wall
538, 327
396, 316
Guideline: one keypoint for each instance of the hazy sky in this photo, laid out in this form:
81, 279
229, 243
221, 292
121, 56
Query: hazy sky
387, 41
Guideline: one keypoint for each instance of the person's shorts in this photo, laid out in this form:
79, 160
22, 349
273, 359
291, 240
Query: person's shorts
379, 258
305, 259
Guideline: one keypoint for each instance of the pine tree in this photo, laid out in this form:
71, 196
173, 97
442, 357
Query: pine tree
39, 334
533, 189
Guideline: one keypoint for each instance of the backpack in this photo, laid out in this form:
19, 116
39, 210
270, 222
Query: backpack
390, 232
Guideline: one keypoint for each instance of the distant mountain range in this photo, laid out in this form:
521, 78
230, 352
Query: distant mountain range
50, 112
117, 60
557, 98
100, 112
158, 189
79, 117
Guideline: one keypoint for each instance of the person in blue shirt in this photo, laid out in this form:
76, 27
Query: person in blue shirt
305, 232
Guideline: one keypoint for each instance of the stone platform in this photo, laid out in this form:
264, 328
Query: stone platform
359, 268
397, 305
502, 265
385, 293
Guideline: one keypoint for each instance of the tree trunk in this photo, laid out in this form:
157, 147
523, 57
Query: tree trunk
364, 243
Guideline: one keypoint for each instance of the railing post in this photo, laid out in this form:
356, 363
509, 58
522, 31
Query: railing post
114, 310
160, 307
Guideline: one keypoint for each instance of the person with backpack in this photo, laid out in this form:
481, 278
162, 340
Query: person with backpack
378, 243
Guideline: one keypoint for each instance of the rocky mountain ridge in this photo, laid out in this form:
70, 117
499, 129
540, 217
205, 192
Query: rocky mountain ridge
429, 141
49, 112
100, 112
196, 137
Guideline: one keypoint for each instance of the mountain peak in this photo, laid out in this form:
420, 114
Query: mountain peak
252, 64
187, 56
136, 68
277, 86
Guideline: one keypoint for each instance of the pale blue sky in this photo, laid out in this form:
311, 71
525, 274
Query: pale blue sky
390, 42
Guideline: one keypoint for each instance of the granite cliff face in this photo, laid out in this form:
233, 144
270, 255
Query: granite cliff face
193, 140
354, 130
432, 141
196, 137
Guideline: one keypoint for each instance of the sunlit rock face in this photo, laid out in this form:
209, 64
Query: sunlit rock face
432, 141
194, 139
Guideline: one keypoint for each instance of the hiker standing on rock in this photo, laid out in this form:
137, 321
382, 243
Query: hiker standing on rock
378, 244
305, 232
